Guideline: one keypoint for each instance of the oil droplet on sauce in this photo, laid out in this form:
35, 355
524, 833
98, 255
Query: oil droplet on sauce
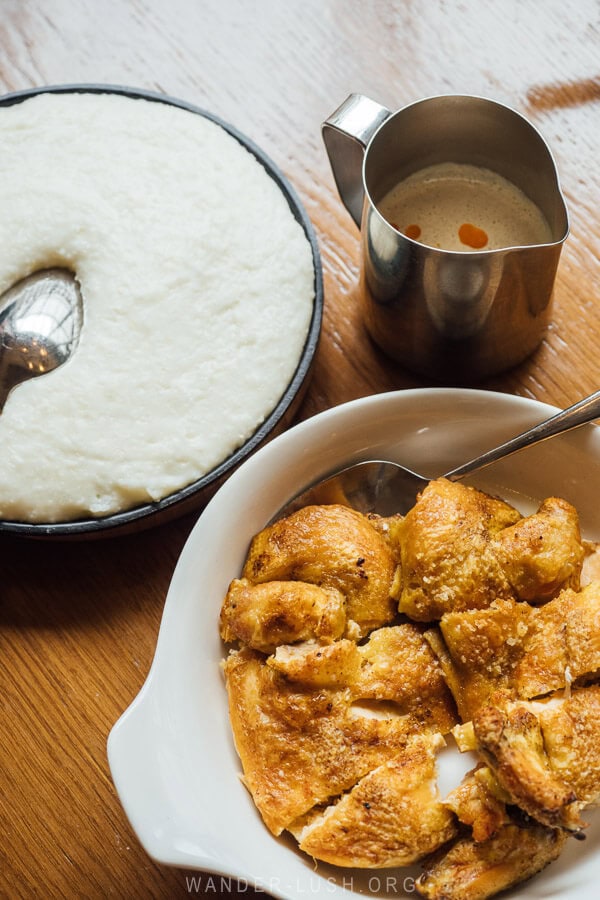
412, 231
472, 236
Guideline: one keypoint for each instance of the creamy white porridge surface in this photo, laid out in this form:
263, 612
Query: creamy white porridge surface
198, 292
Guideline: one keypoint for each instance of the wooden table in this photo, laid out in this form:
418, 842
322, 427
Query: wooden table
78, 622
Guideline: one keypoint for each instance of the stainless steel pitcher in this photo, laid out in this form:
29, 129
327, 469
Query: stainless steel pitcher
452, 316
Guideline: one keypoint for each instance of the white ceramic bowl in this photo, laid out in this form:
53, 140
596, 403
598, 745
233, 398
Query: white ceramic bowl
171, 753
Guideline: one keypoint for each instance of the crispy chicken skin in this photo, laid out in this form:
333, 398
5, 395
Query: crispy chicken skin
298, 747
333, 547
476, 803
264, 616
531, 651
318, 665
543, 553
571, 731
483, 648
462, 549
393, 817
582, 631
448, 561
511, 740
399, 666
559, 744
563, 644
475, 871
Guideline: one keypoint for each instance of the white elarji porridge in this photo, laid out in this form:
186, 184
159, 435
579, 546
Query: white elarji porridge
198, 292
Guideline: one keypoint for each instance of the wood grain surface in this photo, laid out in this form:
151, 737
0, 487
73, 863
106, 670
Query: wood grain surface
78, 622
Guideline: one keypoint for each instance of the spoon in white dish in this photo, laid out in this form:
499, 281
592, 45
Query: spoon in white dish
387, 488
40, 322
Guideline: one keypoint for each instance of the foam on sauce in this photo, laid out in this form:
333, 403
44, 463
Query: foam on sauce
198, 289
452, 206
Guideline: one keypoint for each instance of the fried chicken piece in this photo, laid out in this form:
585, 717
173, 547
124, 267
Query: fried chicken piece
299, 748
393, 817
476, 803
396, 666
333, 547
264, 616
542, 553
531, 651
475, 871
462, 549
582, 631
510, 739
319, 665
448, 559
481, 651
571, 730
557, 736
399, 666
543, 666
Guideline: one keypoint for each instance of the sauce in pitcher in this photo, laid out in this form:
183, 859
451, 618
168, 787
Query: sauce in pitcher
452, 206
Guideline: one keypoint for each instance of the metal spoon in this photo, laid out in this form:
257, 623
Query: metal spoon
40, 322
387, 488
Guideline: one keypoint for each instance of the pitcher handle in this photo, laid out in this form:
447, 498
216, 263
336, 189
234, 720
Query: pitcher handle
346, 134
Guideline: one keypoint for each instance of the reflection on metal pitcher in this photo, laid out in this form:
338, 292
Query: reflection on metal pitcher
452, 315
459, 293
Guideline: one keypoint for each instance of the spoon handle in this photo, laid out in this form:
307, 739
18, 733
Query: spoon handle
584, 411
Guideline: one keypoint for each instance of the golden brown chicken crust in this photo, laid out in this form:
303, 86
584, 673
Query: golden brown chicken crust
299, 748
462, 549
333, 547
313, 665
531, 651
582, 632
548, 756
393, 817
511, 741
448, 560
542, 667
263, 616
571, 730
476, 805
475, 871
483, 648
543, 553
399, 666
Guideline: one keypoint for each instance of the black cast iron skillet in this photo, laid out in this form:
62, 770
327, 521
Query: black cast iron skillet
197, 494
